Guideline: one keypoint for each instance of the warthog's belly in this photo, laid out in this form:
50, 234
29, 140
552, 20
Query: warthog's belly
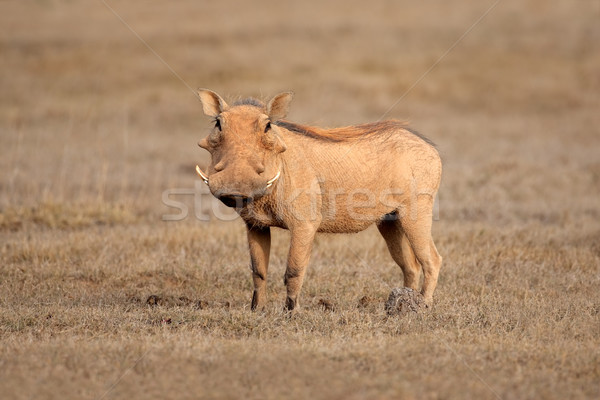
353, 218
355, 212
345, 226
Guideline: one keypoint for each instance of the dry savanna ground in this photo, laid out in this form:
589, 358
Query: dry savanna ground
100, 298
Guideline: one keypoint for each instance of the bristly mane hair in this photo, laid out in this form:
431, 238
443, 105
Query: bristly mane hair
250, 101
422, 137
357, 132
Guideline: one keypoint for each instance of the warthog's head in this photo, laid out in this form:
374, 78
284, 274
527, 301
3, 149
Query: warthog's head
244, 145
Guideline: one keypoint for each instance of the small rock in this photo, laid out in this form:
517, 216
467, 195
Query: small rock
153, 300
326, 305
403, 301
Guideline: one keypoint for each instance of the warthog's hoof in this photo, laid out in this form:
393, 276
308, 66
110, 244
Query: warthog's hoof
403, 301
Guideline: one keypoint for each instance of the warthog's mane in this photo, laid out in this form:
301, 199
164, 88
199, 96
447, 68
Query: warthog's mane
382, 130
250, 101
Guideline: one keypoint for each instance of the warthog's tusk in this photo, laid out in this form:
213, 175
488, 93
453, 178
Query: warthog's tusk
271, 181
204, 177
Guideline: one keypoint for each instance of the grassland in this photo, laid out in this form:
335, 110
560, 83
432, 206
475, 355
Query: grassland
94, 128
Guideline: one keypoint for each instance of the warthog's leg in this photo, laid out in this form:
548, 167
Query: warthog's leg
259, 241
429, 285
300, 247
417, 227
401, 252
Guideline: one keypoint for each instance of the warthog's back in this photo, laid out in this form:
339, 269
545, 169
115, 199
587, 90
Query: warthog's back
356, 180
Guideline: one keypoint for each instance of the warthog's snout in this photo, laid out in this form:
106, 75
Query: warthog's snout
235, 200
234, 192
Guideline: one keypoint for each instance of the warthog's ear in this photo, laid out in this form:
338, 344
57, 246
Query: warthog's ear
212, 103
279, 106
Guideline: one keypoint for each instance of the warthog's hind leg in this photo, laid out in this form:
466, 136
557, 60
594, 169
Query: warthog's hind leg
417, 227
401, 251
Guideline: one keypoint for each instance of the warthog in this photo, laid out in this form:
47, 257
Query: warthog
306, 179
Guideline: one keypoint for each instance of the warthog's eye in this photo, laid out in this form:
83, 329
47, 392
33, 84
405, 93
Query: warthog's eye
267, 127
218, 123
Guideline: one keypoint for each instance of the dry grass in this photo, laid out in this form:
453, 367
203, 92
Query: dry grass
93, 129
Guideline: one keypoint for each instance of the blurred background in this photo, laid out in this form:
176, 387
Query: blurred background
98, 98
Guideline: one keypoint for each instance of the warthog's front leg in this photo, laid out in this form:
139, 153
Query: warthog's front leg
300, 246
259, 241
